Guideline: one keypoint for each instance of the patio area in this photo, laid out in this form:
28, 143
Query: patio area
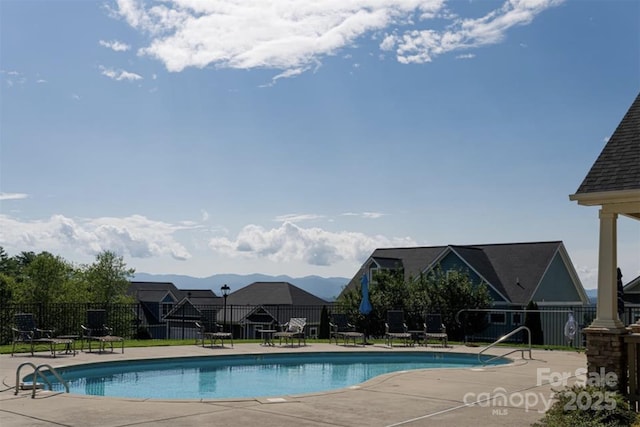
508, 395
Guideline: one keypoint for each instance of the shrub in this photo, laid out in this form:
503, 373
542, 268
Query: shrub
588, 406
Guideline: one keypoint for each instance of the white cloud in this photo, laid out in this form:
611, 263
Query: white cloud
13, 196
297, 217
135, 235
466, 56
371, 215
41, 81
421, 46
142, 238
75, 97
293, 35
115, 45
312, 246
119, 75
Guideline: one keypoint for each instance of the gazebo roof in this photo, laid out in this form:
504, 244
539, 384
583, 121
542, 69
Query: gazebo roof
614, 178
618, 166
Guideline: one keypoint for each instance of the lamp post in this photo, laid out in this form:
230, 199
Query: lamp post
225, 292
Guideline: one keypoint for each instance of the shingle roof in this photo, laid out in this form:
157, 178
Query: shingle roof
152, 291
520, 266
513, 269
156, 291
265, 293
618, 166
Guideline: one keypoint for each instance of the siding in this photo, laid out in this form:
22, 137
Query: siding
556, 285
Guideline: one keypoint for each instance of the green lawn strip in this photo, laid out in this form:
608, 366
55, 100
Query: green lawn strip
23, 348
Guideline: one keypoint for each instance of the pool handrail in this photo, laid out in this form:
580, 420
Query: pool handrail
502, 338
36, 373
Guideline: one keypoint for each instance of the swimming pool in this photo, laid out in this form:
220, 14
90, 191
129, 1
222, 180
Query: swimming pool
244, 376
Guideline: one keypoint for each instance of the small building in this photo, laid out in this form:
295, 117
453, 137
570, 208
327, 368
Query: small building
264, 305
631, 292
166, 311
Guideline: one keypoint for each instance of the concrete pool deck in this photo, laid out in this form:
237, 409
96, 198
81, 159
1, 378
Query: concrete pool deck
411, 398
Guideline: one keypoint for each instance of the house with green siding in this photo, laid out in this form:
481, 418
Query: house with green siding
514, 273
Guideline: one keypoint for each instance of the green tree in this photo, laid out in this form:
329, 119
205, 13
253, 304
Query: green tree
452, 291
40, 278
108, 279
436, 292
8, 265
7, 284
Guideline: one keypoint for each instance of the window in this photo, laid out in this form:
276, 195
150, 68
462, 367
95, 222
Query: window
516, 319
498, 318
313, 332
166, 308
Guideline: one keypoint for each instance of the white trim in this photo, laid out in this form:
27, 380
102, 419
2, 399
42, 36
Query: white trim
606, 197
561, 303
497, 314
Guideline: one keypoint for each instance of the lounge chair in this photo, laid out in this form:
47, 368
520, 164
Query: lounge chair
96, 329
435, 329
396, 328
342, 329
25, 330
291, 330
209, 329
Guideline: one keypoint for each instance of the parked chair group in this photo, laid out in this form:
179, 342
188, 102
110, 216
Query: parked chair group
96, 329
292, 330
396, 328
210, 329
340, 328
25, 330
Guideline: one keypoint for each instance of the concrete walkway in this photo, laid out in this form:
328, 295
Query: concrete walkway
508, 395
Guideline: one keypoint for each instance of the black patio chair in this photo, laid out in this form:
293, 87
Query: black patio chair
435, 329
396, 328
209, 329
96, 329
342, 329
25, 330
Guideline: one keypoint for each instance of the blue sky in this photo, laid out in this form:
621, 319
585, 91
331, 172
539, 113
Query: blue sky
287, 137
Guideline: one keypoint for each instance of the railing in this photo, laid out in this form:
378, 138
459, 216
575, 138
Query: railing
552, 321
36, 374
502, 338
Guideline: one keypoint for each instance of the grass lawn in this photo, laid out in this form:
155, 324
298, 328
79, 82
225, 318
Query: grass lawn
23, 348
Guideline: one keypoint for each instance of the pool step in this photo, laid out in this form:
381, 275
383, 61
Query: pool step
28, 385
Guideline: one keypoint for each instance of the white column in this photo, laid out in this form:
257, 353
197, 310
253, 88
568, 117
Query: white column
607, 312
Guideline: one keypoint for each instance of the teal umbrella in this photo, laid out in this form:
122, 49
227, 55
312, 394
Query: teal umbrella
365, 304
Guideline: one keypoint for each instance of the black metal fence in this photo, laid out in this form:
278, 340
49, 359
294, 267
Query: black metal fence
245, 322
552, 319
131, 320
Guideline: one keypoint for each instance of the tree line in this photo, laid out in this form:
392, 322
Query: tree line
46, 278
440, 292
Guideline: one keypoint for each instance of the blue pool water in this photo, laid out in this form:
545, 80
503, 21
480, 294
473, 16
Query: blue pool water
216, 377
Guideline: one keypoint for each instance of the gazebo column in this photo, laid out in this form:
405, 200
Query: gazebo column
605, 336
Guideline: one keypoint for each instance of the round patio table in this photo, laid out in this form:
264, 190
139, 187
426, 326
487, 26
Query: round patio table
267, 336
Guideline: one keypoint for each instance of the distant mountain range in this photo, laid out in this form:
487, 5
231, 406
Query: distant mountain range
327, 288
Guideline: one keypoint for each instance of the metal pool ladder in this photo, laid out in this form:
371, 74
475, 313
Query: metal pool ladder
38, 373
502, 338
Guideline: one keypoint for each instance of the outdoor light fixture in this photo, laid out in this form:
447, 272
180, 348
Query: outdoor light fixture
225, 293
